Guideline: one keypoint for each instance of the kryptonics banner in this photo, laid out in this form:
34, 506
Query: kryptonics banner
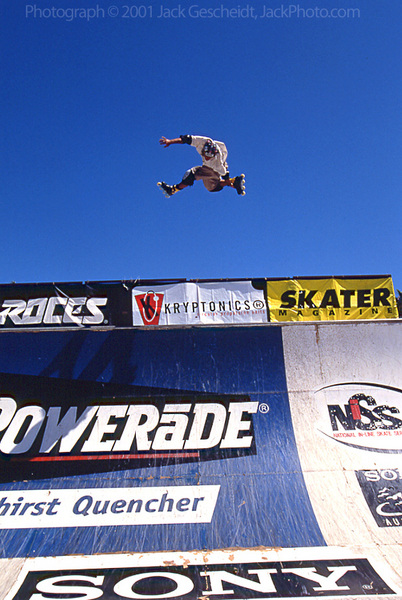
331, 299
199, 304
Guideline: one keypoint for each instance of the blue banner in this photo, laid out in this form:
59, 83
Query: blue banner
137, 441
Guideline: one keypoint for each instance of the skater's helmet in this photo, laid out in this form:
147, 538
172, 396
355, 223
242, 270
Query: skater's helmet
210, 149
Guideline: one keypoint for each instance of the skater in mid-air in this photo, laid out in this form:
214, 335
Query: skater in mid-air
214, 171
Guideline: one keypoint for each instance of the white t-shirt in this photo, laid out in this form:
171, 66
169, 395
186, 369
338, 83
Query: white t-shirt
218, 162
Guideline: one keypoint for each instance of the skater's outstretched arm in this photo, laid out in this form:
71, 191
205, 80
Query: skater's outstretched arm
166, 143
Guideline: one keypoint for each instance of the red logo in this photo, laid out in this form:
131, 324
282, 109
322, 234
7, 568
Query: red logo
150, 306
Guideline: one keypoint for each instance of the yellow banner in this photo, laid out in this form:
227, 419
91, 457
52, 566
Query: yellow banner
331, 299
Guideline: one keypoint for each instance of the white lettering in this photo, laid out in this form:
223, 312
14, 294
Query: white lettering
184, 585
71, 314
42, 310
35, 416
96, 317
69, 430
50, 586
50, 318
202, 411
95, 442
133, 429
327, 584
40, 305
8, 406
12, 309
117, 427
235, 425
264, 585
172, 438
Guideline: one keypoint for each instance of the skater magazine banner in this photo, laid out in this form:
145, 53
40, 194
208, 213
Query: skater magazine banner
199, 304
330, 299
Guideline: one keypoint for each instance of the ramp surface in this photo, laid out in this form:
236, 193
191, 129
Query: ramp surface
242, 461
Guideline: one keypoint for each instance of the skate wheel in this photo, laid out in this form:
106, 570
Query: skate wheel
159, 184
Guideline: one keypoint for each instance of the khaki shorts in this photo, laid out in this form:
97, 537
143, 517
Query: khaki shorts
210, 178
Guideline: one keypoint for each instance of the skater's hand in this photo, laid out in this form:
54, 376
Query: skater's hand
164, 142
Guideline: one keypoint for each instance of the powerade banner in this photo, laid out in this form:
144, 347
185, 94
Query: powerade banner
331, 299
50, 427
199, 304
145, 440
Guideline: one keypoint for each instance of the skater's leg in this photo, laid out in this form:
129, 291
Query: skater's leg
235, 182
169, 190
210, 178
188, 178
215, 183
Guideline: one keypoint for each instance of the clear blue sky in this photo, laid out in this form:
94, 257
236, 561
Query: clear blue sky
309, 108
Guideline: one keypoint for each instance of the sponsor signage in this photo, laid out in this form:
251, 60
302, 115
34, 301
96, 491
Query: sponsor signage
328, 299
150, 410
367, 416
51, 427
115, 578
199, 304
382, 489
98, 507
64, 305
53, 310
179, 302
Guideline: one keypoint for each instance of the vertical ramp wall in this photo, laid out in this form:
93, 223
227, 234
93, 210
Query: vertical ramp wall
344, 385
201, 462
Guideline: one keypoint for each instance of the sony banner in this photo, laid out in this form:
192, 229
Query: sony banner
199, 304
330, 299
240, 574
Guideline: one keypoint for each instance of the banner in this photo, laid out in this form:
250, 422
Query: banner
147, 303
146, 440
330, 299
199, 304
59, 305
237, 574
52, 427
99, 507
